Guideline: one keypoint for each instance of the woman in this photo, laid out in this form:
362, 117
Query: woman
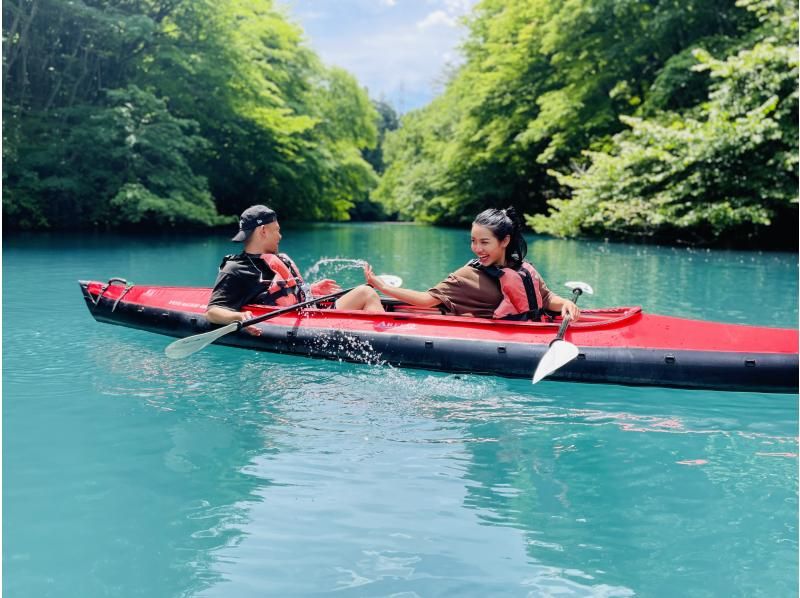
498, 284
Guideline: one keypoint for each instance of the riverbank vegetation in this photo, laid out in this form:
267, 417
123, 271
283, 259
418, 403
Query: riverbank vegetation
668, 121
664, 121
172, 112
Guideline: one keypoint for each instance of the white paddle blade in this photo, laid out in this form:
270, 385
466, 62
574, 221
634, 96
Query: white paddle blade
192, 344
559, 354
585, 288
391, 280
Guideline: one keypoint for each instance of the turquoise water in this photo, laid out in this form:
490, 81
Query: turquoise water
239, 474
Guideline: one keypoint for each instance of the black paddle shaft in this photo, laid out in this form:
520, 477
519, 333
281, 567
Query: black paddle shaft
576, 292
291, 308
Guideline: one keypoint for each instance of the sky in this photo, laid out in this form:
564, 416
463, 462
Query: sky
398, 49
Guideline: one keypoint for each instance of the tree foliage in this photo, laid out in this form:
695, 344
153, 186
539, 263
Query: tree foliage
367, 208
130, 149
140, 112
723, 171
550, 92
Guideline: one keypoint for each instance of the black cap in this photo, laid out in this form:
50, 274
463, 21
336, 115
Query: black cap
252, 218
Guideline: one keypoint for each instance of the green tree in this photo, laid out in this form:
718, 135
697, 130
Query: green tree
367, 208
415, 184
388, 120
122, 164
547, 87
82, 147
724, 171
283, 129
125, 113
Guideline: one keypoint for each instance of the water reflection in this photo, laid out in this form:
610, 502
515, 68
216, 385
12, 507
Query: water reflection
188, 438
607, 491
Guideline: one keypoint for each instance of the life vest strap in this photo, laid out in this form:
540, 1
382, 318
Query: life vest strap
283, 291
527, 281
527, 275
286, 281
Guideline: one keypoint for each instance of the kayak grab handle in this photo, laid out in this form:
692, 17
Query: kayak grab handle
105, 287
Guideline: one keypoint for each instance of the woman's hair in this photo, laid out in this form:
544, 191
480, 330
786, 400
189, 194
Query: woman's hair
506, 223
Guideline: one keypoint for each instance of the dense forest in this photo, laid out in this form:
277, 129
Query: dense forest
134, 113
661, 120
664, 120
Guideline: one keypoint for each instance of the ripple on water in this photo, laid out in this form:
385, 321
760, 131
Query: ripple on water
555, 463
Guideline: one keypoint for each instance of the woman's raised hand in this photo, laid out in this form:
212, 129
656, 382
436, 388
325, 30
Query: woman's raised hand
372, 279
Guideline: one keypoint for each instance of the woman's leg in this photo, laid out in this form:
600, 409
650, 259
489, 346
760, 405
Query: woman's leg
364, 298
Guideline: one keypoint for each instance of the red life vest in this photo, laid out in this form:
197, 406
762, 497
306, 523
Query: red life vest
522, 291
285, 288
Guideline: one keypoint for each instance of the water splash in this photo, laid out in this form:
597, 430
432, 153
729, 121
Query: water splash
332, 265
346, 347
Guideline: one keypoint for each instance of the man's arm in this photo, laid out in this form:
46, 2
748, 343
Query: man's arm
226, 297
222, 315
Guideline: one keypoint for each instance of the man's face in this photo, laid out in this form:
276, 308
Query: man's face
271, 236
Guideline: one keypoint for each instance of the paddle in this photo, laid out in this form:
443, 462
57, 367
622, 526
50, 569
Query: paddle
391, 280
192, 344
561, 352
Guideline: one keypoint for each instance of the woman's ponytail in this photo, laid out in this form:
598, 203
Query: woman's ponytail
517, 248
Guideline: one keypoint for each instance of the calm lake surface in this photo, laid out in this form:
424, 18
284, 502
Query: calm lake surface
242, 474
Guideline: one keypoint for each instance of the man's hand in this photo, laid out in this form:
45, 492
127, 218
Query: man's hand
247, 315
326, 286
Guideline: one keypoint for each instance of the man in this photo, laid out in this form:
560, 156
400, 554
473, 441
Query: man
259, 275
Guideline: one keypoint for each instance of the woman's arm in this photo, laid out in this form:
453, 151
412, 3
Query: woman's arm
418, 298
565, 306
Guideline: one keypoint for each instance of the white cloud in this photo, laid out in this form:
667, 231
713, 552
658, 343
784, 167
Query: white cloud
401, 51
458, 7
437, 17
403, 65
311, 15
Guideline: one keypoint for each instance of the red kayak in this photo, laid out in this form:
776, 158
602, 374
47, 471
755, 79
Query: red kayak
621, 345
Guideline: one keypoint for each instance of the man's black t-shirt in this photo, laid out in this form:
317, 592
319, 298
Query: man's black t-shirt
242, 279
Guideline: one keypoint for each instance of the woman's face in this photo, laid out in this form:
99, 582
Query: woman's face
486, 247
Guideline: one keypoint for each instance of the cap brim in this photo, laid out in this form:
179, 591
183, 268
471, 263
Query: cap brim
241, 235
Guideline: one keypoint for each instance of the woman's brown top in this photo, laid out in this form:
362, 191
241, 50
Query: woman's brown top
471, 292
